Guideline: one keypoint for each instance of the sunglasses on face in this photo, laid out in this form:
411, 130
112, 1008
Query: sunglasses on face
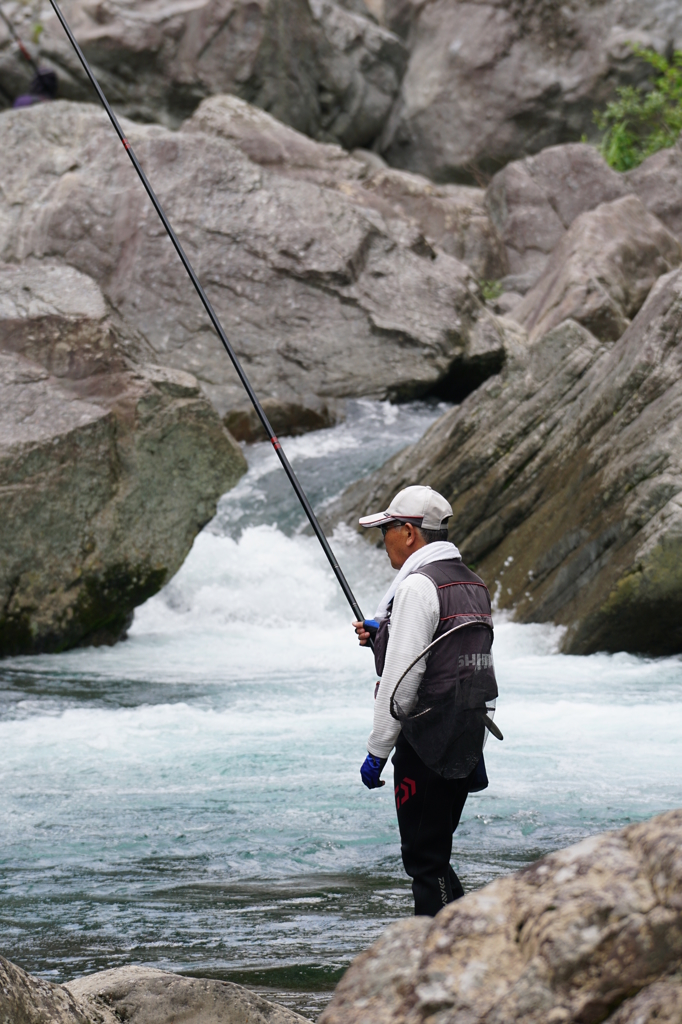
389, 526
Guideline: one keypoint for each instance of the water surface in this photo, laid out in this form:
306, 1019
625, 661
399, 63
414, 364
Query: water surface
190, 799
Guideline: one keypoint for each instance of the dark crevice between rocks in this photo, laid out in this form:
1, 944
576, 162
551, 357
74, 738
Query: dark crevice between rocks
15, 634
15, 627
465, 375
651, 628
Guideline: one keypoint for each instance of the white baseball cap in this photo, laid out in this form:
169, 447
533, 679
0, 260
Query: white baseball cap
417, 504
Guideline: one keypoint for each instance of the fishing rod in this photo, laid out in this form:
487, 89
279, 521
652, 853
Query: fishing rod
22, 49
286, 466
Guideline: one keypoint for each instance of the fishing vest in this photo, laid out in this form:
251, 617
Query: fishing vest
463, 598
455, 699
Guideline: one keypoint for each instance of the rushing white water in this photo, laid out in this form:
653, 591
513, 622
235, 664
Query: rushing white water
191, 798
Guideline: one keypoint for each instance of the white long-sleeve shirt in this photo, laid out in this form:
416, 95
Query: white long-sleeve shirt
414, 620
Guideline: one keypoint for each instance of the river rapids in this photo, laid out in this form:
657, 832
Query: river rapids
190, 799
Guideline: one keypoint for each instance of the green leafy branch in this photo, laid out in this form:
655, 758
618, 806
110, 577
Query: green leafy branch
645, 119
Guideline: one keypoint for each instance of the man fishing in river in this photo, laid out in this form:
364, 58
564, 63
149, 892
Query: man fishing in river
438, 720
435, 697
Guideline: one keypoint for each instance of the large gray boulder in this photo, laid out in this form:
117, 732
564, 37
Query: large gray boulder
328, 71
323, 299
534, 201
601, 271
274, 145
658, 183
565, 476
590, 934
491, 82
453, 218
107, 470
138, 995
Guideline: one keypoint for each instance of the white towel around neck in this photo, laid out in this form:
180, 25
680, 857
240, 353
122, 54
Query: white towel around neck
436, 552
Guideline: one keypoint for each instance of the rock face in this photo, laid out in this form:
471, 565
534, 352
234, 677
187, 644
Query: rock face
491, 82
590, 934
328, 71
601, 271
272, 144
107, 472
658, 183
565, 476
321, 297
452, 217
138, 995
534, 201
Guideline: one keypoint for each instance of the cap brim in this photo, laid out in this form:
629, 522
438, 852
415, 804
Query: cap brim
377, 519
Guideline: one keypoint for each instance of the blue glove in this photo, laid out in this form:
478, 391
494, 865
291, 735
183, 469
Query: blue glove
371, 771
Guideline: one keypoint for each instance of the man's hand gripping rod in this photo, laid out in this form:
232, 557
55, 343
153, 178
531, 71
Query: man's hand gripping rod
300, 494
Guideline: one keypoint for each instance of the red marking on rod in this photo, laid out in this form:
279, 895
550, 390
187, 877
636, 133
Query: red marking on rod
275, 443
125, 143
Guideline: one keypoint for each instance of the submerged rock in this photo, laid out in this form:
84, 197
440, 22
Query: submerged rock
591, 933
286, 418
331, 72
107, 470
565, 476
137, 995
319, 295
490, 82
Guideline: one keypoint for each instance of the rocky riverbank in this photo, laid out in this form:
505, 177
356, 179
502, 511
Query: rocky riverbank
138, 995
111, 463
324, 298
563, 470
564, 475
590, 934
